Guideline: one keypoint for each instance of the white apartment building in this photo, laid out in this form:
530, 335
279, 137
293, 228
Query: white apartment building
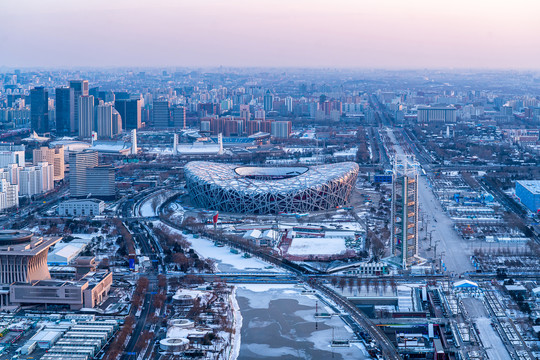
11, 154
34, 180
9, 195
53, 156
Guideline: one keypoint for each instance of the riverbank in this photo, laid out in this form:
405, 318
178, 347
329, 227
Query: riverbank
236, 340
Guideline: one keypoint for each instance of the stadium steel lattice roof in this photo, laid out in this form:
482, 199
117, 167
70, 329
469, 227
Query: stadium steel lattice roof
262, 190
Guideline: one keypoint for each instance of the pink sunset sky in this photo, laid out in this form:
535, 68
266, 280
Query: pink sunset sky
299, 33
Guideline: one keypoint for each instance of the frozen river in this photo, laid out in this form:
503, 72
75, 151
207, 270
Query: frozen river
279, 323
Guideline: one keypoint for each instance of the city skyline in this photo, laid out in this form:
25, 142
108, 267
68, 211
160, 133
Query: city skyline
265, 179
345, 34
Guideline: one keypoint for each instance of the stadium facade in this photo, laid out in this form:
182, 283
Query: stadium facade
268, 190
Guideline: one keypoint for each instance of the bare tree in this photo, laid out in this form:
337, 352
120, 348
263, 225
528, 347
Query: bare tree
352, 282
342, 283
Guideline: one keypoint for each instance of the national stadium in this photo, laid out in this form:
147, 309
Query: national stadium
269, 190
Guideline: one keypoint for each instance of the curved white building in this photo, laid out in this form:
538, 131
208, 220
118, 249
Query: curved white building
267, 190
173, 345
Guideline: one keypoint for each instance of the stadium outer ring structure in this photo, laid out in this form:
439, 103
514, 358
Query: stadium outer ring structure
269, 190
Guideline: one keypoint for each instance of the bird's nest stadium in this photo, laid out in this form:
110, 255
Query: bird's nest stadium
269, 190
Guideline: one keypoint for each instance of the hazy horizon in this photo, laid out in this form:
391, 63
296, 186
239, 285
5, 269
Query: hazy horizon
343, 34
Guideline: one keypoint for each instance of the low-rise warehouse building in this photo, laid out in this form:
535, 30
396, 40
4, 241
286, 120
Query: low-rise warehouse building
98, 336
72, 350
64, 357
94, 343
68, 340
528, 192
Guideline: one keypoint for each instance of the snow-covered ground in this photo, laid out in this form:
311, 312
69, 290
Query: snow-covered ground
146, 209
237, 326
317, 246
226, 261
491, 341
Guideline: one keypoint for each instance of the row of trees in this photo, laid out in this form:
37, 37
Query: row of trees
178, 251
127, 245
119, 343
357, 283
138, 295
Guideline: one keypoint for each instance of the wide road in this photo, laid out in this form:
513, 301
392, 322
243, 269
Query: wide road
145, 243
492, 343
455, 250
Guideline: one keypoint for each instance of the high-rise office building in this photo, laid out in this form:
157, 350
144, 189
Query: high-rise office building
39, 109
80, 88
259, 114
268, 101
65, 110
427, 114
244, 112
79, 162
281, 129
161, 114
100, 182
116, 121
54, 156
121, 95
179, 117
105, 126
289, 104
86, 116
130, 112
95, 93
404, 232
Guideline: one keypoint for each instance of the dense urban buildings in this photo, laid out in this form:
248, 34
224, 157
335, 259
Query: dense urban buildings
392, 196
34, 180
436, 113
266, 180
54, 156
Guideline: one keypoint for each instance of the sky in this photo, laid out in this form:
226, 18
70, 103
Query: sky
392, 34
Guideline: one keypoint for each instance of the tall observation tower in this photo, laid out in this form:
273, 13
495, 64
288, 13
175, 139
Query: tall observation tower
405, 210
